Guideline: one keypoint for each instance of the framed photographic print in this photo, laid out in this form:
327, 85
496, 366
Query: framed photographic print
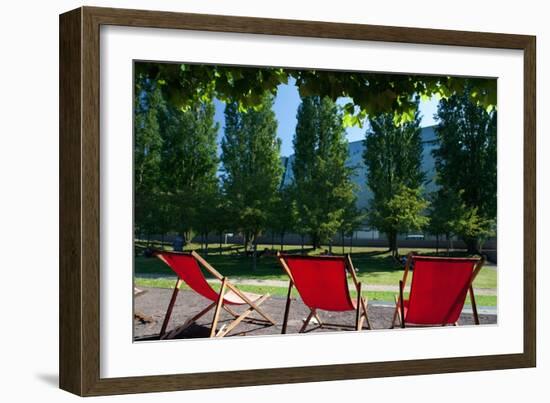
249, 201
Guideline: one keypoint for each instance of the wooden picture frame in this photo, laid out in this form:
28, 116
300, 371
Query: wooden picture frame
79, 317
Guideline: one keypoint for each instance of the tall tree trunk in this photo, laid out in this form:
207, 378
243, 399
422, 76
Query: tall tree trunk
302, 244
221, 241
245, 242
343, 243
315, 241
473, 246
254, 252
396, 247
183, 236
392, 240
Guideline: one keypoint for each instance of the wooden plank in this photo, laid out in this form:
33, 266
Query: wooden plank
287, 307
306, 322
401, 304
70, 193
219, 304
170, 308
240, 318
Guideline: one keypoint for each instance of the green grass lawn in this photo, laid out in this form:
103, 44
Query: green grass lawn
376, 267
385, 296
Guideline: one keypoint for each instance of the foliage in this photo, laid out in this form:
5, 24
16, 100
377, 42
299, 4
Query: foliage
449, 215
189, 165
466, 166
443, 212
147, 157
323, 190
175, 172
371, 93
405, 210
393, 156
352, 219
283, 214
210, 211
251, 166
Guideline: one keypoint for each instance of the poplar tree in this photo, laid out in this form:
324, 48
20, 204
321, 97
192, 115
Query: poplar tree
251, 167
282, 215
189, 166
466, 166
147, 157
393, 156
322, 187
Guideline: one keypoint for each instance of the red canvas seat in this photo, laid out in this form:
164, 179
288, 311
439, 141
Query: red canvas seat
322, 282
438, 290
187, 266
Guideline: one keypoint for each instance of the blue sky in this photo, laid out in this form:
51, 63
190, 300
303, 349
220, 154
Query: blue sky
285, 108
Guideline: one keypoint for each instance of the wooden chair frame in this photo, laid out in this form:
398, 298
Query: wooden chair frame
361, 305
218, 305
399, 312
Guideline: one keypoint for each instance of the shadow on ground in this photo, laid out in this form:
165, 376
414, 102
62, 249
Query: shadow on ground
49, 379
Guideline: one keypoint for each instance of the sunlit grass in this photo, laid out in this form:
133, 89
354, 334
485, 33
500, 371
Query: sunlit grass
373, 296
375, 266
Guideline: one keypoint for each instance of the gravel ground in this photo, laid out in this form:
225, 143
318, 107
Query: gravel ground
152, 305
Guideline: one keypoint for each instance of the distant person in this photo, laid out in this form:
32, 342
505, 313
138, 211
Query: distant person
177, 245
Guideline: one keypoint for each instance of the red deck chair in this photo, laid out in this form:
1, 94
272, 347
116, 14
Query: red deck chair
438, 290
188, 268
322, 283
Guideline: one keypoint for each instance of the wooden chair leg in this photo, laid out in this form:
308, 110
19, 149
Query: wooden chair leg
251, 303
401, 304
170, 308
219, 304
358, 308
399, 318
222, 332
287, 308
316, 316
361, 321
474, 306
395, 313
365, 305
306, 322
